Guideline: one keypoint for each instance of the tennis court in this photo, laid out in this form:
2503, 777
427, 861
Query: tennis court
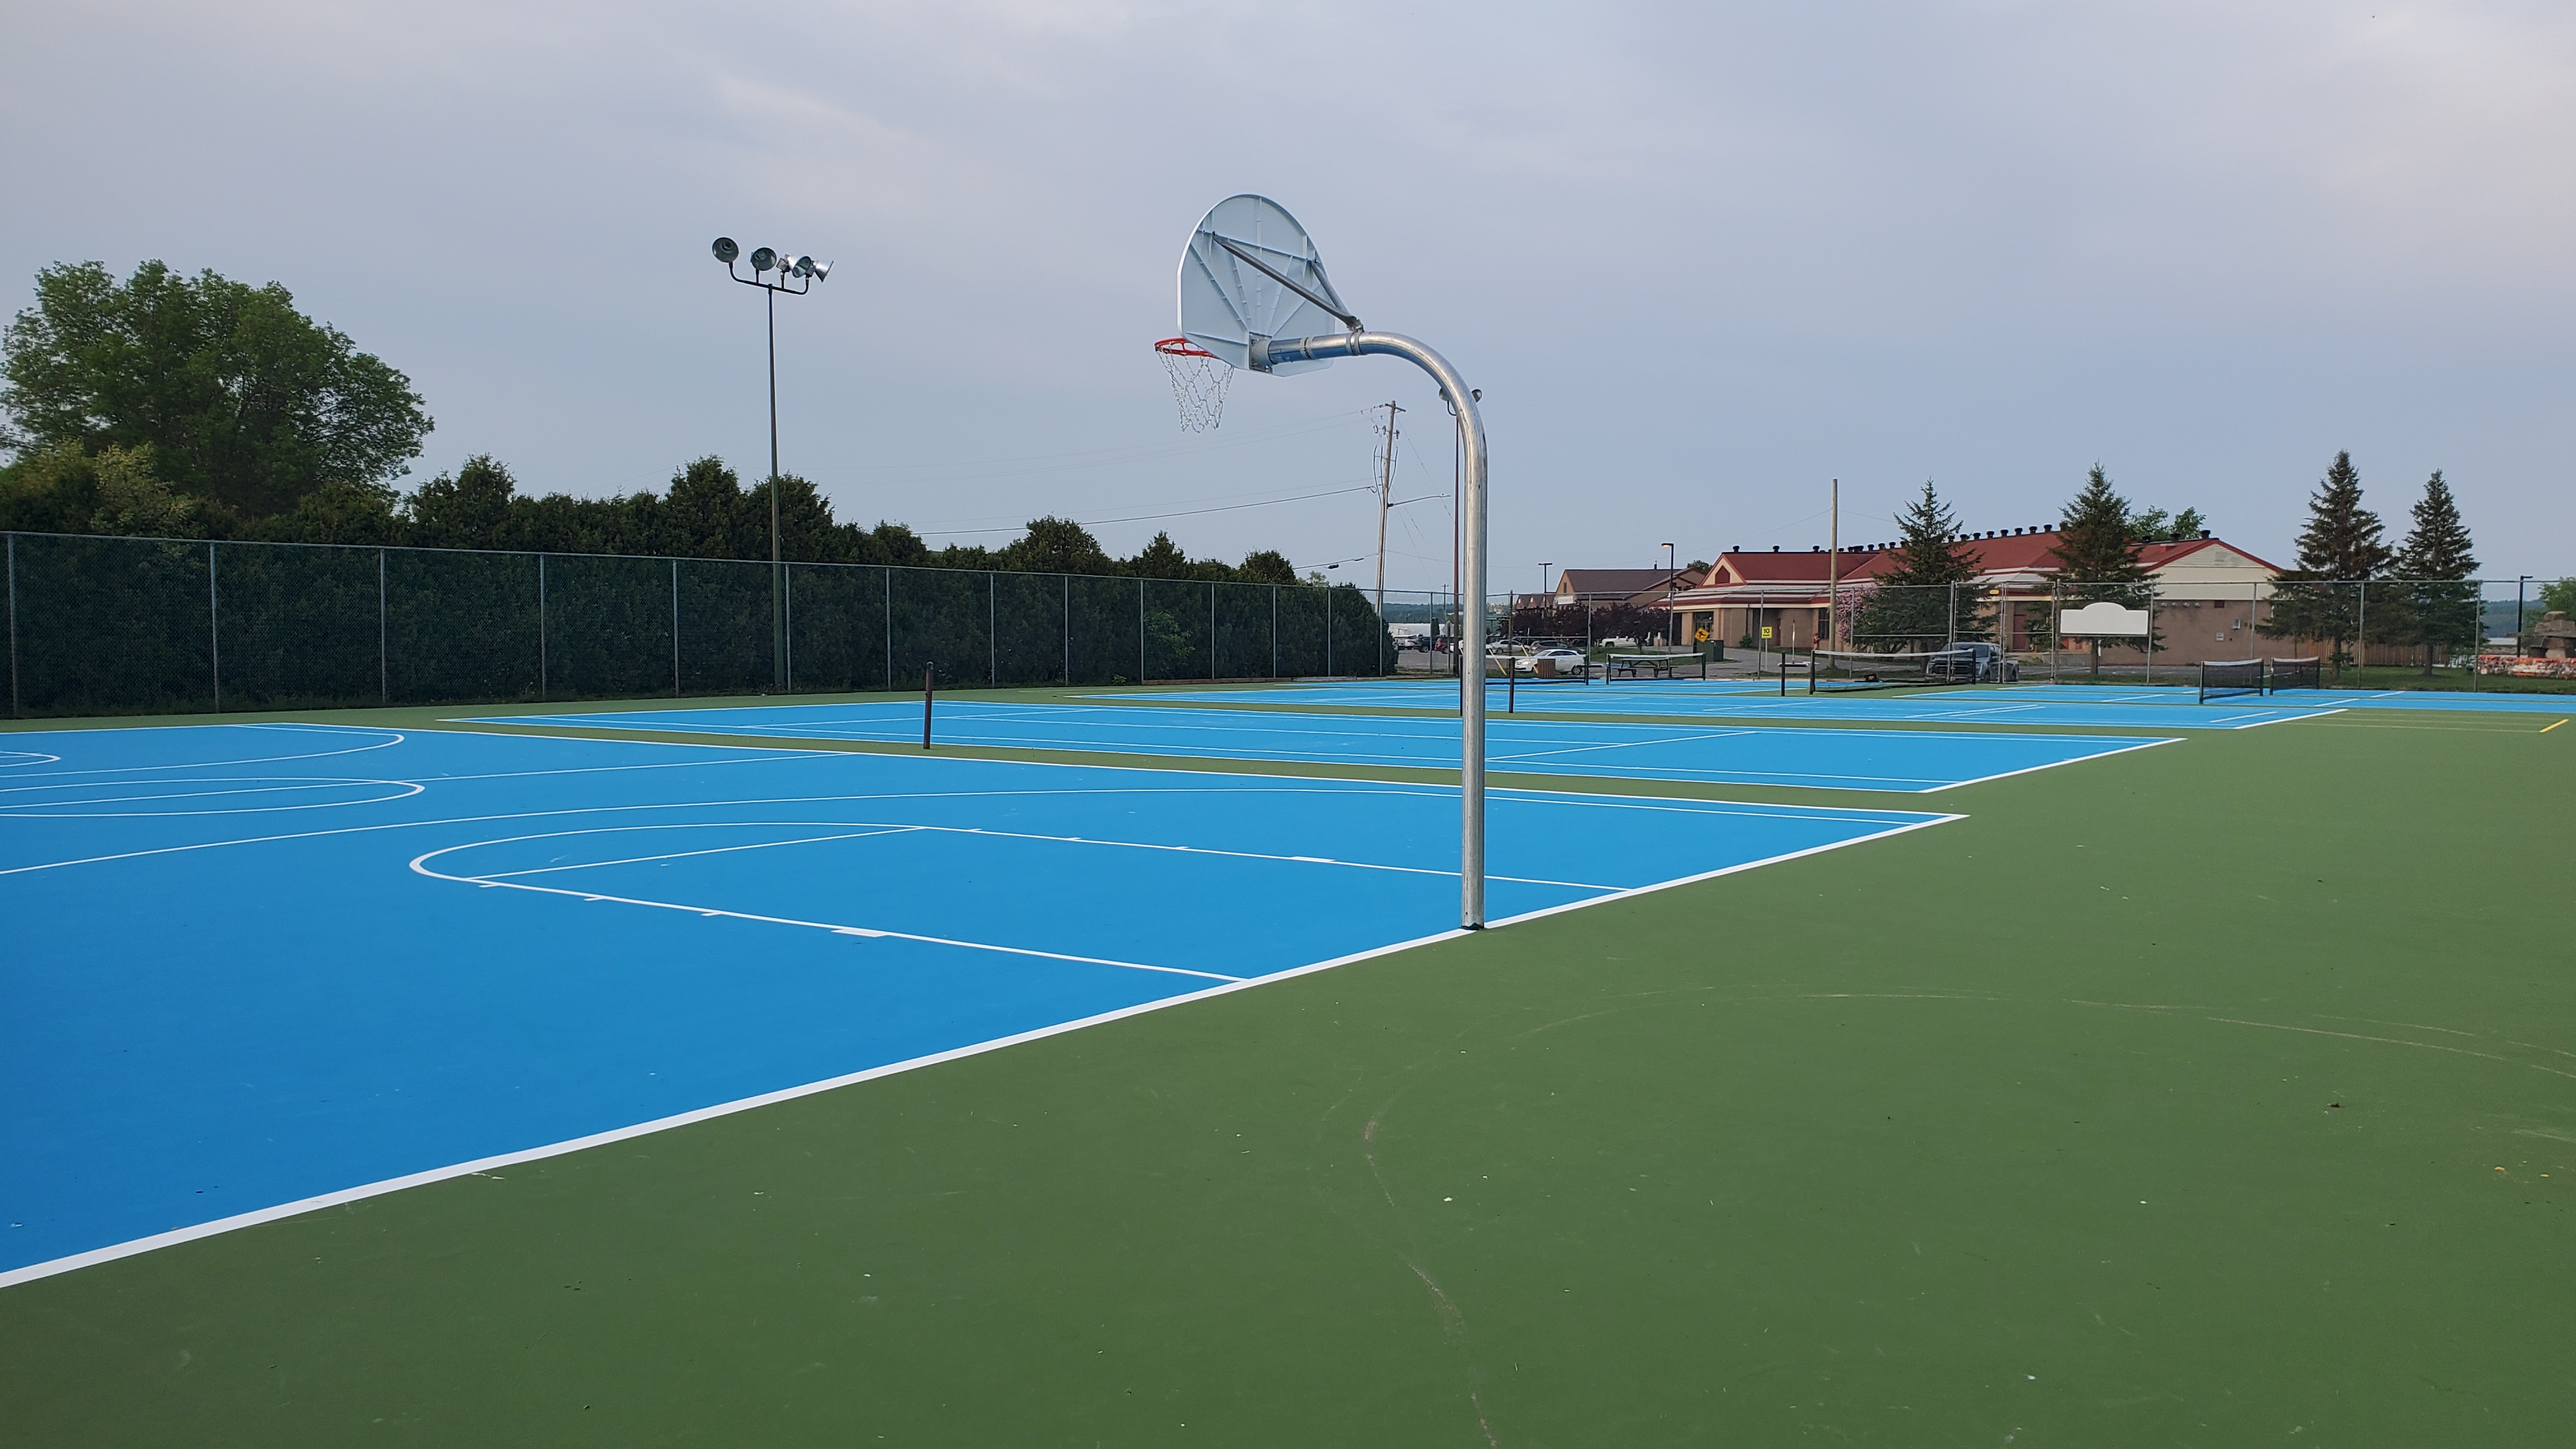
258, 965
1907, 761
2035, 704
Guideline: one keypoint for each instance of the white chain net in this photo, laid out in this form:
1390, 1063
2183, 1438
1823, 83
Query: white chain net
1198, 385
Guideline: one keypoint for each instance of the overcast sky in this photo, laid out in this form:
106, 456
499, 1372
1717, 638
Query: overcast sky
1700, 257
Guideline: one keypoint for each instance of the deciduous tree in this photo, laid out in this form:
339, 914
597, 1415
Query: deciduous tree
245, 402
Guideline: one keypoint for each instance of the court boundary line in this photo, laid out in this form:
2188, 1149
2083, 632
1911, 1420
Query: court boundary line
257, 1217
1924, 786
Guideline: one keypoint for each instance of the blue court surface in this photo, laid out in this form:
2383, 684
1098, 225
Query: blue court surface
2030, 704
1907, 761
253, 966
2111, 706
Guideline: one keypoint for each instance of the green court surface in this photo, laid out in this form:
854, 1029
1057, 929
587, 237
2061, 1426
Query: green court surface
2214, 1094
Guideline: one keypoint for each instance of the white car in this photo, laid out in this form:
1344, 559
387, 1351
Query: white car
1565, 662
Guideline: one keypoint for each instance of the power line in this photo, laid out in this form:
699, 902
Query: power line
1149, 517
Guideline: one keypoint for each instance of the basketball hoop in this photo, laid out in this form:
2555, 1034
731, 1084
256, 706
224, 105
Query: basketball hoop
1199, 381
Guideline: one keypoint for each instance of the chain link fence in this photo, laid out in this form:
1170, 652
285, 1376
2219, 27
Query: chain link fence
102, 626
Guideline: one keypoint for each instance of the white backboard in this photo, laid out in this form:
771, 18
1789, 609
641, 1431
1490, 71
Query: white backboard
2103, 621
1226, 302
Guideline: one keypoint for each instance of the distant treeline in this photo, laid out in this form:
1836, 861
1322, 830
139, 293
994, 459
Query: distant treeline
705, 513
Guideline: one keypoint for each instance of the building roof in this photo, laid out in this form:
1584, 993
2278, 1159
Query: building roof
1622, 582
1996, 554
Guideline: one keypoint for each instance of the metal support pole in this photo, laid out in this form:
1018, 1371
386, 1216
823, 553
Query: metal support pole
675, 628
2148, 644
541, 628
777, 580
1471, 567
1328, 630
2361, 626
1140, 631
1211, 631
889, 627
384, 668
13, 628
214, 634
1068, 628
2056, 640
1274, 631
992, 629
928, 672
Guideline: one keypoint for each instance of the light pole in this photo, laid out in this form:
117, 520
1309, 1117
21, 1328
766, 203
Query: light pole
2519, 585
1669, 621
765, 260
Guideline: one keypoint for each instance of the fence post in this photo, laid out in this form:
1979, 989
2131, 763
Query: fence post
2151, 634
2361, 626
1328, 630
541, 628
214, 633
992, 628
1274, 630
1140, 631
1068, 628
1211, 631
384, 666
675, 628
2056, 641
786, 619
889, 626
13, 628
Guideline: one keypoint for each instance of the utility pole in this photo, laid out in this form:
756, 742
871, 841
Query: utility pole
1385, 498
1834, 565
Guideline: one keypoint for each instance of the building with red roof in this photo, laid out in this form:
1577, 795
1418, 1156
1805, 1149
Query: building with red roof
2208, 594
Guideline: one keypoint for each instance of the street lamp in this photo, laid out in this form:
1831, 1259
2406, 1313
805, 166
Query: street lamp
765, 260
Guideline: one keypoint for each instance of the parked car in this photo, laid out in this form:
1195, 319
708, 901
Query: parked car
1972, 664
1566, 662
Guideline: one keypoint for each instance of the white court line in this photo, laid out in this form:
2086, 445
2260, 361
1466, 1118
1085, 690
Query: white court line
837, 928
274, 784
176, 1236
1572, 799
686, 854
2053, 764
885, 828
1678, 774
26, 758
395, 737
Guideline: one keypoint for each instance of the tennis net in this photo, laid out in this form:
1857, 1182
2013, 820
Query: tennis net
2225, 678
2297, 674
1833, 671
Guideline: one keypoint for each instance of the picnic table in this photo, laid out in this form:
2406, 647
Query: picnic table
1662, 665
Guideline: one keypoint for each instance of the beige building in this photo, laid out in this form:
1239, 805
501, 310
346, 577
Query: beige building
2208, 595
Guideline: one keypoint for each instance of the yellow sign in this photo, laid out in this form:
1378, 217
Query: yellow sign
1766, 631
1701, 633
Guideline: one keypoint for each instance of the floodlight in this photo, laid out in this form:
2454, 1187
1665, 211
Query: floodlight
802, 266
763, 259
821, 270
726, 251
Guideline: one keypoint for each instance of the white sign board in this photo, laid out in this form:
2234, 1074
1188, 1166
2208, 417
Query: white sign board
2095, 621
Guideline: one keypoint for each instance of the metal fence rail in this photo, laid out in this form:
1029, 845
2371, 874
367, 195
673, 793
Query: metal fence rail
135, 625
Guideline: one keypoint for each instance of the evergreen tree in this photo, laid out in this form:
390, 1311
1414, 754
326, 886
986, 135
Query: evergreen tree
2339, 552
2097, 556
1927, 598
2432, 599
469, 509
